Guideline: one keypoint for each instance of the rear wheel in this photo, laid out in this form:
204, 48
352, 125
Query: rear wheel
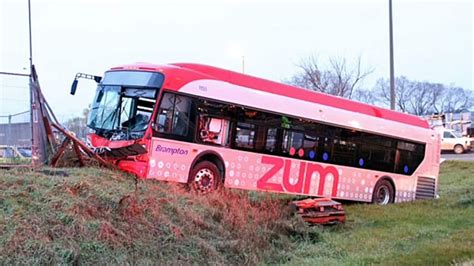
384, 193
458, 149
205, 177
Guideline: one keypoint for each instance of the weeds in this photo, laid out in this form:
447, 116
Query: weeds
96, 216
91, 216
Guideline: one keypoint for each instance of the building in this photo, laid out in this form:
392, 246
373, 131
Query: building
15, 134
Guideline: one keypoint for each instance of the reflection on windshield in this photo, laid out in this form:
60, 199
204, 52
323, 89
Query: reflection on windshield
117, 108
103, 114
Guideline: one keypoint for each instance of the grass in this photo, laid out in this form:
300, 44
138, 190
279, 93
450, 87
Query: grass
91, 216
15, 161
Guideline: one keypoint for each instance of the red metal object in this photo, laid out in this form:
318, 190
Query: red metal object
60, 152
98, 141
78, 146
134, 167
323, 211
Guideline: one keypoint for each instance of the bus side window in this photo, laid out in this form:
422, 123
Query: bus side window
165, 113
245, 135
271, 140
173, 114
214, 130
292, 139
310, 145
410, 156
182, 109
260, 138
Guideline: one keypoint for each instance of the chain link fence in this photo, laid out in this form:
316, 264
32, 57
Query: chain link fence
15, 120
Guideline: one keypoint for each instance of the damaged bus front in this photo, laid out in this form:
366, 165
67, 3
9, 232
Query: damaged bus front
120, 116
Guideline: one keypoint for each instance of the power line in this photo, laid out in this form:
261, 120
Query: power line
21, 113
14, 74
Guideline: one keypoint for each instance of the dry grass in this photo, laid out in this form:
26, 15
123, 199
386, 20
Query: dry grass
94, 216
97, 216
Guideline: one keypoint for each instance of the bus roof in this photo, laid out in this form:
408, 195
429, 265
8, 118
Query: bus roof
187, 72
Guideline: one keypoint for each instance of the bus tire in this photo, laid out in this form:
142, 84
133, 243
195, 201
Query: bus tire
384, 193
205, 177
458, 149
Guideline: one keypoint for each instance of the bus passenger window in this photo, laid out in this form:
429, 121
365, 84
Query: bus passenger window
310, 145
292, 139
182, 109
173, 114
245, 135
165, 113
213, 130
271, 140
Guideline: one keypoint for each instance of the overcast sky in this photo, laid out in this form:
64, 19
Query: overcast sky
433, 40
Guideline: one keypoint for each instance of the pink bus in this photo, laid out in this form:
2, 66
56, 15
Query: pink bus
211, 127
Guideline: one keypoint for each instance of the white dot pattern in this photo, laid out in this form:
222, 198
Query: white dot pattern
243, 170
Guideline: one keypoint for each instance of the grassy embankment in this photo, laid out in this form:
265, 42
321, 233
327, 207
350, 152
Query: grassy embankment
96, 216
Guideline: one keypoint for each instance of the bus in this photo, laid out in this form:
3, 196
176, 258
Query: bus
210, 127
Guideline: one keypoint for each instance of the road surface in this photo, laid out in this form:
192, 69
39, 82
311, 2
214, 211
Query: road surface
467, 156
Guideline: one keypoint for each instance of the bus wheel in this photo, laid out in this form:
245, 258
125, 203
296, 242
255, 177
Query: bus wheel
205, 177
384, 193
458, 149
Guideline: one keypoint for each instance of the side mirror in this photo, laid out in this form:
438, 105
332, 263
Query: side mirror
74, 87
85, 76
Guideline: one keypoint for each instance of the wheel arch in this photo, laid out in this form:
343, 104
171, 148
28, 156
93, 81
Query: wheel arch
390, 180
212, 157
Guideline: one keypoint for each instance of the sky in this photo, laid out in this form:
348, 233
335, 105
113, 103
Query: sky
432, 40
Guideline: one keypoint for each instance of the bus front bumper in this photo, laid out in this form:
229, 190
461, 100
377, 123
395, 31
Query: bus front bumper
134, 167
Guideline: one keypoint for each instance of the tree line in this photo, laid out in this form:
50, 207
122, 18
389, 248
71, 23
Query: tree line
412, 96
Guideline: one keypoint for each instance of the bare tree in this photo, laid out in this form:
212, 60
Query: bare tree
337, 79
365, 96
403, 91
421, 98
453, 100
78, 125
415, 97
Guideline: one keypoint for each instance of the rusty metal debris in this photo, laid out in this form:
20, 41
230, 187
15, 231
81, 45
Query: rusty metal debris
322, 211
79, 147
50, 139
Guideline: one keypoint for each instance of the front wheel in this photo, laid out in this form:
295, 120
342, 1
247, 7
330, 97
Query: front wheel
205, 177
458, 149
384, 193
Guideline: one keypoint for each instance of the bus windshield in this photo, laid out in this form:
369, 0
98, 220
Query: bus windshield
126, 105
104, 108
